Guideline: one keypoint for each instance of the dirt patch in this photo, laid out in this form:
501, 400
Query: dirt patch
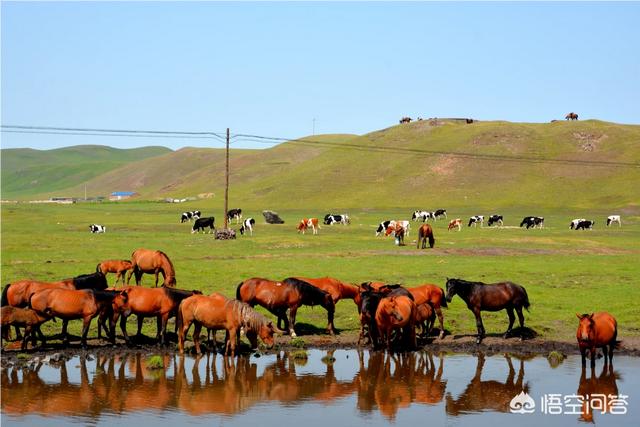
589, 141
445, 165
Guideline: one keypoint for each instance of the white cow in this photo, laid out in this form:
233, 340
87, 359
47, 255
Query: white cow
614, 218
95, 228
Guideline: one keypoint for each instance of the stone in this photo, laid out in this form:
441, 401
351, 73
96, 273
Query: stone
272, 217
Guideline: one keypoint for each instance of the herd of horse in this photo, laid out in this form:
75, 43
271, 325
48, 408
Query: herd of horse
390, 315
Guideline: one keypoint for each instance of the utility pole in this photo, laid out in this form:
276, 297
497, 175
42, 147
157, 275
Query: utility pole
226, 186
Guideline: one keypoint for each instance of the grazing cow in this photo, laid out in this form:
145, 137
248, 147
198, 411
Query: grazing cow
187, 216
382, 227
405, 225
234, 213
571, 116
586, 224
424, 215
306, 223
202, 223
95, 228
532, 222
495, 219
247, 224
455, 223
440, 212
475, 220
614, 218
575, 223
330, 219
405, 120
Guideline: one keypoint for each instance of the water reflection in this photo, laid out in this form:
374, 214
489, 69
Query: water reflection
598, 391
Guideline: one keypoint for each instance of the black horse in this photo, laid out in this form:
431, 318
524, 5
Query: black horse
490, 297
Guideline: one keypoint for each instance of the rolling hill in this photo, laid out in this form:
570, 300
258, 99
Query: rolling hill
421, 164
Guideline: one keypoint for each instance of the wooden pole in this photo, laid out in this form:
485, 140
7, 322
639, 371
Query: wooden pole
226, 186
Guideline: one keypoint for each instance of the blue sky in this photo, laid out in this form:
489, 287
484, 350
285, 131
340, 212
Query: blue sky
271, 68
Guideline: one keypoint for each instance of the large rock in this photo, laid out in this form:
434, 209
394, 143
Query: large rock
272, 217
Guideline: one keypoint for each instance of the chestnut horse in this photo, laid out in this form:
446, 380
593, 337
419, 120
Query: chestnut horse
70, 304
433, 295
425, 232
371, 293
571, 116
597, 330
397, 313
425, 318
152, 262
277, 297
219, 312
338, 290
120, 267
490, 297
161, 303
25, 317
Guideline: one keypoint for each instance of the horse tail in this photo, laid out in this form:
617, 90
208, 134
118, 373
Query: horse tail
443, 299
526, 303
432, 240
5, 298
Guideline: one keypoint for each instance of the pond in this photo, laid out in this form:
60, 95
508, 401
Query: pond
327, 388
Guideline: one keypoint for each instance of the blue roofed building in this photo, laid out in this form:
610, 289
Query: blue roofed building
121, 195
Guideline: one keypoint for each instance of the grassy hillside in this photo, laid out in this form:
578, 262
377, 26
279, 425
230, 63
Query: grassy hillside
419, 165
27, 172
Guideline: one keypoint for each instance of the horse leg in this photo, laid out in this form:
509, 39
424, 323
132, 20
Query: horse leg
86, 322
27, 335
197, 327
163, 321
330, 328
138, 274
140, 320
156, 274
593, 357
479, 325
292, 321
512, 319
441, 320
123, 328
521, 321
65, 335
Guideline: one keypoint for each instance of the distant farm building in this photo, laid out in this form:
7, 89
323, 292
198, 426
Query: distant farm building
122, 195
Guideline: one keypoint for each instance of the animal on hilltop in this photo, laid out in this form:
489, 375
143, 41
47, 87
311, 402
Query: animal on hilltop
571, 116
95, 228
202, 224
189, 215
247, 224
455, 223
490, 297
118, 266
152, 262
306, 223
597, 330
614, 218
405, 120
425, 232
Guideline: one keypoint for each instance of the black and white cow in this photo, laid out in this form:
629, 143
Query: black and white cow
382, 227
234, 213
475, 220
575, 223
614, 218
95, 228
247, 224
202, 223
495, 219
585, 225
439, 212
187, 216
422, 215
532, 221
330, 219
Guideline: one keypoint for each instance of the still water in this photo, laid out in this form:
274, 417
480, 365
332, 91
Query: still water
329, 388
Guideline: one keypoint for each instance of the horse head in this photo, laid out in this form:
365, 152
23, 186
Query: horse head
451, 289
586, 329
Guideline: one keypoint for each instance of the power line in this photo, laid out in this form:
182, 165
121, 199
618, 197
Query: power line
105, 134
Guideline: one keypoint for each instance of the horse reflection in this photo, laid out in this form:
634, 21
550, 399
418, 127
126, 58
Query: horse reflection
488, 395
598, 391
414, 379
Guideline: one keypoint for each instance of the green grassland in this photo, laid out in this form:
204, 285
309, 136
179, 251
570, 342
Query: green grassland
564, 271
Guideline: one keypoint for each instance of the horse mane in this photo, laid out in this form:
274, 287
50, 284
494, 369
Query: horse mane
177, 295
168, 260
307, 290
103, 296
467, 282
249, 318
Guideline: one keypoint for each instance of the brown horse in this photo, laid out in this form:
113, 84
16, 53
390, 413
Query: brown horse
490, 297
397, 313
120, 267
597, 330
571, 116
425, 232
152, 262
597, 390
160, 303
25, 317
277, 297
338, 290
425, 318
433, 295
70, 304
219, 312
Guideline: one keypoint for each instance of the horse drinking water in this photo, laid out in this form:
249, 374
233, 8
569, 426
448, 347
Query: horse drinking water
490, 297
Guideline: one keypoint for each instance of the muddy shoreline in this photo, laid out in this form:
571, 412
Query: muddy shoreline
12, 355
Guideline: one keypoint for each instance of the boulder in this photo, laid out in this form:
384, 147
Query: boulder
272, 217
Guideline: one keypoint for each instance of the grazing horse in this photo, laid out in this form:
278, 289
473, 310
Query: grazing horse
435, 297
490, 297
219, 312
396, 313
70, 304
277, 297
597, 330
614, 218
24, 317
306, 223
120, 267
571, 116
455, 223
338, 290
161, 303
152, 262
425, 232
